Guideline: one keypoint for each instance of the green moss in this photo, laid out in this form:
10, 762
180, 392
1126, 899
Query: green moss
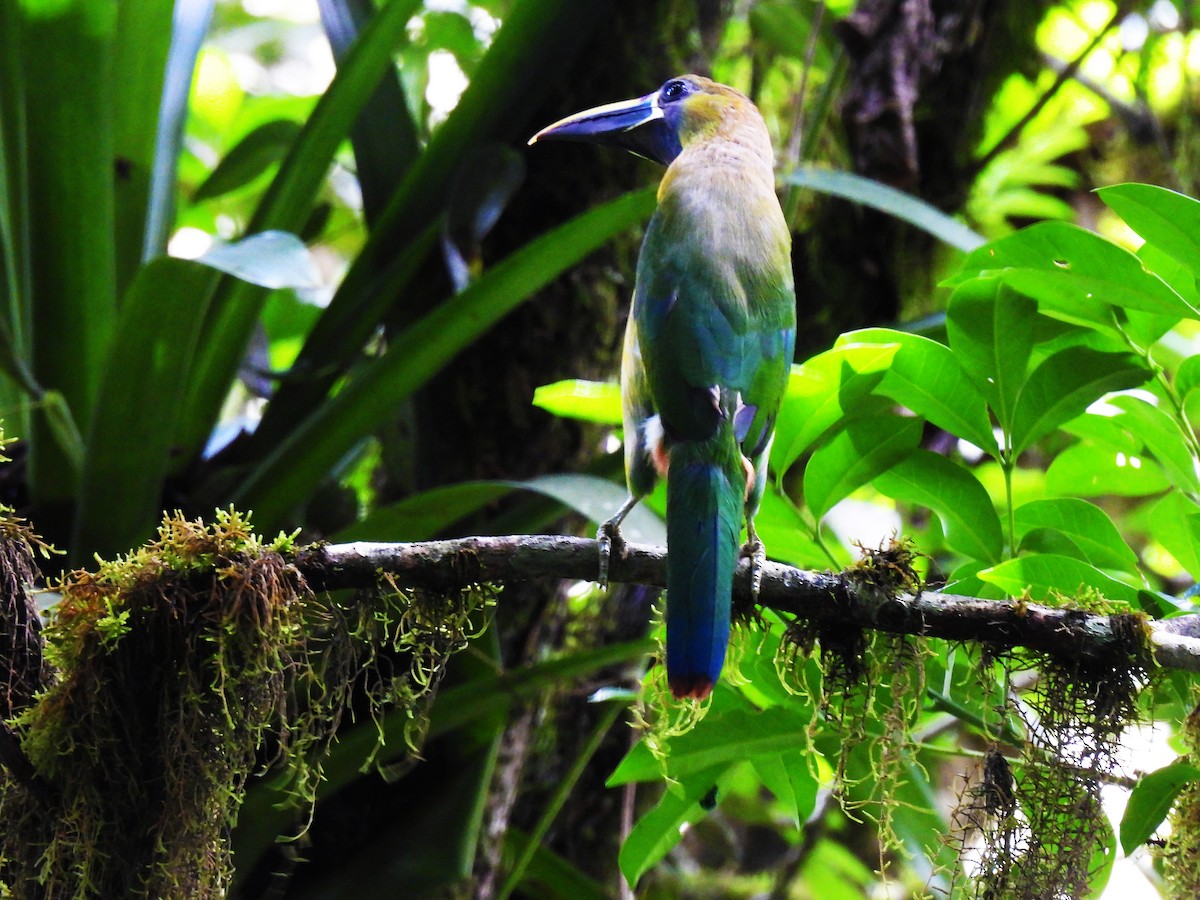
178, 665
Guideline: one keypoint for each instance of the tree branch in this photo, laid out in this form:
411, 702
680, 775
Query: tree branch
824, 599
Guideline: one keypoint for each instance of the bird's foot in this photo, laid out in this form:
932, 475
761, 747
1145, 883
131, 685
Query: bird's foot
610, 538
754, 549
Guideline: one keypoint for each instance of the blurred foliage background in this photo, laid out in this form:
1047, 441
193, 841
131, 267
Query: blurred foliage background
295, 257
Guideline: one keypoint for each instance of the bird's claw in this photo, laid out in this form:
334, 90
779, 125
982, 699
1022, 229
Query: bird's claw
609, 536
754, 549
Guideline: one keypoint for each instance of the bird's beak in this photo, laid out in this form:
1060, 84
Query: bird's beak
637, 125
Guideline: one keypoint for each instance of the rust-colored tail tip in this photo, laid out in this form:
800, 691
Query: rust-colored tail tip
691, 687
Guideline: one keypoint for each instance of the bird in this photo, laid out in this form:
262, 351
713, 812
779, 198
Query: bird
708, 348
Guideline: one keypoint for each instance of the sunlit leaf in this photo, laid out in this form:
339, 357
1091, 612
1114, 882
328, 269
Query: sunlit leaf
926, 377
856, 454
272, 259
1150, 801
822, 391
1175, 523
1085, 524
1164, 218
1074, 274
887, 199
933, 481
1162, 436
1064, 386
591, 401
1045, 575
992, 331
1091, 470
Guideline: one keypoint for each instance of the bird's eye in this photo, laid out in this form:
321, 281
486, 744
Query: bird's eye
673, 90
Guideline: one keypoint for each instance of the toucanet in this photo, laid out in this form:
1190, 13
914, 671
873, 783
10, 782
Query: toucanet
707, 348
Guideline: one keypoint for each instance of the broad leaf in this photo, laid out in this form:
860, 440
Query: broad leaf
1150, 801
925, 377
1164, 218
1162, 436
724, 738
858, 452
662, 827
1187, 379
1085, 524
1064, 386
992, 331
1175, 523
272, 259
968, 516
1074, 274
1045, 575
599, 499
822, 391
1091, 470
591, 401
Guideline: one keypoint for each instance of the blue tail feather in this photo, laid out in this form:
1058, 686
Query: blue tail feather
703, 527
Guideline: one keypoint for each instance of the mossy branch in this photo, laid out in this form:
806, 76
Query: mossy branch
819, 597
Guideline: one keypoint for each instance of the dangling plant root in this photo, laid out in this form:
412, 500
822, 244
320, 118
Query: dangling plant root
183, 668
1034, 828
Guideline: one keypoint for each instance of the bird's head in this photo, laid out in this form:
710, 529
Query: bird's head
658, 126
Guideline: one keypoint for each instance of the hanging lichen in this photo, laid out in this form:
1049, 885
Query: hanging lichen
1032, 827
1181, 855
178, 665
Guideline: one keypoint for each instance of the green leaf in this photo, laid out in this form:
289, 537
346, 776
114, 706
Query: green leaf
1064, 385
930, 480
889, 200
599, 499
272, 259
784, 532
68, 114
189, 27
250, 157
1175, 523
1074, 274
788, 776
857, 453
285, 207
1046, 574
1164, 218
1150, 801
661, 828
992, 330
129, 447
723, 738
590, 401
1162, 436
1187, 379
424, 515
824, 390
417, 353
1091, 470
143, 41
1085, 524
926, 377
